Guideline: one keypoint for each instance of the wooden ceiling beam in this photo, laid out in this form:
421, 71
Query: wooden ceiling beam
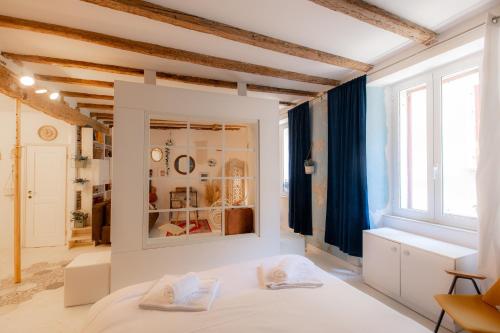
9, 85
184, 20
109, 84
97, 114
76, 94
380, 18
158, 50
71, 80
160, 75
94, 106
287, 103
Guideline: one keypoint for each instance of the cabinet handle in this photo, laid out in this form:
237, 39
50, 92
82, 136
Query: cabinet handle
394, 249
406, 252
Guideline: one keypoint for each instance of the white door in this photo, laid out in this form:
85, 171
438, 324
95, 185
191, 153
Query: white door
45, 196
423, 276
381, 266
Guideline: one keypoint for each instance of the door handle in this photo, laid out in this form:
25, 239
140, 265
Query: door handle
30, 194
394, 249
406, 252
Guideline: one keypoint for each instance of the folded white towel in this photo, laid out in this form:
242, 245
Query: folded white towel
291, 272
155, 298
180, 289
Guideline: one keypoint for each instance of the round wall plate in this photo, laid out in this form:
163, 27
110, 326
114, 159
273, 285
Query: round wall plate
47, 133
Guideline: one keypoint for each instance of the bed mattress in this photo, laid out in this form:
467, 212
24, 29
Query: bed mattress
243, 306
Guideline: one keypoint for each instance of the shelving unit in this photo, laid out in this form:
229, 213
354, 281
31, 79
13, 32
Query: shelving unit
98, 147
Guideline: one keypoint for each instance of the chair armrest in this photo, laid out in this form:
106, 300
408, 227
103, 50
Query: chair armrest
465, 275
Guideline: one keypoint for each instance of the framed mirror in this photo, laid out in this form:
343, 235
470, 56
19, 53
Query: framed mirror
181, 164
156, 154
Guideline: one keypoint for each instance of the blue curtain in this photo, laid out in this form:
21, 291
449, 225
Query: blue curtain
347, 201
299, 145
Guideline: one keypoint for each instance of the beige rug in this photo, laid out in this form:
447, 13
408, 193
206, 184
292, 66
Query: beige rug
36, 278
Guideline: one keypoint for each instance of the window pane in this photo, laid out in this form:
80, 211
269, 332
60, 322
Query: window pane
460, 103
413, 147
285, 160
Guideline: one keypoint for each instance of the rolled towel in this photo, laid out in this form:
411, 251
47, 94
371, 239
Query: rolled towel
179, 290
287, 270
290, 272
201, 300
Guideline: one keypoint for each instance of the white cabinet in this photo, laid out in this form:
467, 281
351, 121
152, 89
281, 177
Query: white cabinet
411, 268
382, 274
423, 276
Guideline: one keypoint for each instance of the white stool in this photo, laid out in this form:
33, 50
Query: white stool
87, 278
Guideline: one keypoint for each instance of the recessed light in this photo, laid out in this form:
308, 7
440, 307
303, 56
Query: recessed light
27, 80
53, 96
41, 91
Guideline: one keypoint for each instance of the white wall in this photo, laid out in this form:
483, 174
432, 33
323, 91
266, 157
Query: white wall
284, 213
31, 121
131, 262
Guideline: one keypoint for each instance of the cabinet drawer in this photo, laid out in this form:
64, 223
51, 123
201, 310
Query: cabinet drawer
381, 264
423, 276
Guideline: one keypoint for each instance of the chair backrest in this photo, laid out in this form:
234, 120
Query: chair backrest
492, 296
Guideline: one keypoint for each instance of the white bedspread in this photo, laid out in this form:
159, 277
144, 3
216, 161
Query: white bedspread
243, 306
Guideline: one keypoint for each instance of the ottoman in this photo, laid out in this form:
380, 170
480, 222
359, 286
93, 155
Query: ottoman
87, 278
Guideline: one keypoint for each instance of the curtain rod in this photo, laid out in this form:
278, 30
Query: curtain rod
494, 20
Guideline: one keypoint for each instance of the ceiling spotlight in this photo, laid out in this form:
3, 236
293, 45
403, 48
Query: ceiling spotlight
27, 80
41, 91
53, 96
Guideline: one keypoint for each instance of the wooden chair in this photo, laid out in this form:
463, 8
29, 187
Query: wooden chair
475, 313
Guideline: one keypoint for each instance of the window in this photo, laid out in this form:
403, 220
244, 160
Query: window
204, 184
436, 145
284, 159
460, 106
413, 147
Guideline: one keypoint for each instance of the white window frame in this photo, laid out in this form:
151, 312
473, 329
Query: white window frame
397, 210
283, 123
435, 212
149, 242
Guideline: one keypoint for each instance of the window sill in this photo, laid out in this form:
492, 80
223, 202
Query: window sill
154, 243
431, 224
459, 236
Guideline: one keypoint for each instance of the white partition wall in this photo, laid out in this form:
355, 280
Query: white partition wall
135, 261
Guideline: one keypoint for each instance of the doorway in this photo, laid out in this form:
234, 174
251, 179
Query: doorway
45, 196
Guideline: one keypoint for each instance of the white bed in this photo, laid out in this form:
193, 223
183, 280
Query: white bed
242, 306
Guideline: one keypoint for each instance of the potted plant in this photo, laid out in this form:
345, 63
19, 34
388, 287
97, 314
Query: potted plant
81, 181
79, 218
309, 166
309, 163
81, 161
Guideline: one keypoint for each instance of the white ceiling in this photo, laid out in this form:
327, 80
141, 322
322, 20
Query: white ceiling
298, 21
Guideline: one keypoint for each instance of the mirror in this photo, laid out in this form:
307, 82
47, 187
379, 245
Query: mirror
181, 164
156, 154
